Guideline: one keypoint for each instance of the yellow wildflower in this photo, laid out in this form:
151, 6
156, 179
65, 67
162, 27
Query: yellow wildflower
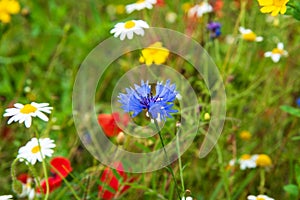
273, 6
245, 135
120, 9
155, 53
207, 116
263, 160
8, 7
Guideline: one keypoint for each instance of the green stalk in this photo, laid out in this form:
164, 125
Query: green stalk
166, 155
262, 181
179, 161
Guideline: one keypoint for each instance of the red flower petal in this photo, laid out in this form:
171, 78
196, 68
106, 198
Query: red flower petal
23, 178
109, 179
108, 122
60, 166
54, 183
160, 3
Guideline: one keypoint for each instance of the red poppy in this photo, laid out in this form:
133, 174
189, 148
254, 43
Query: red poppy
54, 183
109, 179
23, 178
109, 122
218, 6
160, 3
60, 166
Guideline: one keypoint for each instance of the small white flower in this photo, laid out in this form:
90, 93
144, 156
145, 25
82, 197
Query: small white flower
276, 53
140, 5
247, 161
23, 113
187, 198
124, 29
36, 149
171, 17
259, 197
249, 35
200, 9
6, 197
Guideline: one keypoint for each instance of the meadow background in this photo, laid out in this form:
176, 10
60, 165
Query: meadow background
41, 50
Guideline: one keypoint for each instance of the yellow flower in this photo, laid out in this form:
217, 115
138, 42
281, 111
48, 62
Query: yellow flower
8, 7
155, 53
263, 160
120, 9
207, 116
245, 135
273, 6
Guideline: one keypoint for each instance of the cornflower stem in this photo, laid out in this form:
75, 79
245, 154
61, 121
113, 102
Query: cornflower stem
166, 155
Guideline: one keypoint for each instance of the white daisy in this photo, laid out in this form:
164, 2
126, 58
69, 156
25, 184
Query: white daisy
200, 9
249, 35
23, 113
27, 190
124, 29
36, 149
259, 197
247, 161
276, 53
140, 5
6, 197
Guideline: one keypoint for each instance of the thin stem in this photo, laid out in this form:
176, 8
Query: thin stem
166, 155
262, 181
179, 160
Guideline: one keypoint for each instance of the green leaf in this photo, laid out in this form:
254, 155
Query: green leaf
291, 110
292, 190
297, 174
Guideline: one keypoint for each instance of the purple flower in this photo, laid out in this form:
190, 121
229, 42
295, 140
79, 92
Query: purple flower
215, 29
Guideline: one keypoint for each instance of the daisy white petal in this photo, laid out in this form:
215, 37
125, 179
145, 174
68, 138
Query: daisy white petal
275, 57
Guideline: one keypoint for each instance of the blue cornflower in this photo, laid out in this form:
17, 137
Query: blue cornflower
215, 29
298, 102
158, 106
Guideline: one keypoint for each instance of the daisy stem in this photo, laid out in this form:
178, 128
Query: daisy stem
166, 155
179, 160
262, 181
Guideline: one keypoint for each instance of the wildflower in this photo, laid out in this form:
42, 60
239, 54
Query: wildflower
36, 149
109, 123
171, 17
160, 3
8, 7
6, 197
249, 35
263, 160
121, 138
276, 53
126, 29
140, 5
54, 183
187, 198
186, 7
120, 9
200, 9
27, 189
23, 113
259, 197
158, 106
247, 161
117, 184
155, 53
298, 102
245, 135
215, 29
273, 6
231, 164
206, 116
60, 166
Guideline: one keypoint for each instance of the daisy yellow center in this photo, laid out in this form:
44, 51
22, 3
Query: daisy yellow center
277, 51
260, 198
249, 36
140, 1
245, 157
264, 160
245, 135
129, 24
28, 108
35, 149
